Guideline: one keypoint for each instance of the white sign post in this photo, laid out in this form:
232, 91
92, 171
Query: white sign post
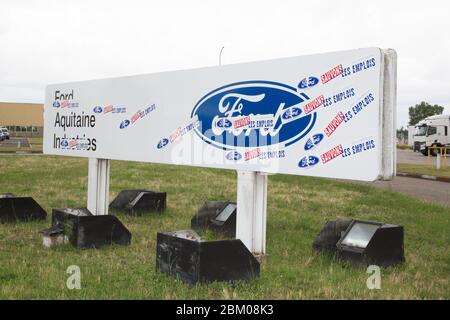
98, 186
328, 115
252, 210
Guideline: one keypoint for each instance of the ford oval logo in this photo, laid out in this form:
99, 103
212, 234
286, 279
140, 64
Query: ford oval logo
308, 82
253, 114
124, 124
294, 112
162, 143
234, 155
308, 161
224, 123
64, 143
98, 109
313, 141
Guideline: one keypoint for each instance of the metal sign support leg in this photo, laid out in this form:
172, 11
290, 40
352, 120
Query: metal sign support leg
98, 186
252, 210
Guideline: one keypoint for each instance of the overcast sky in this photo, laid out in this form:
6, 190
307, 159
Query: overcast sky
43, 42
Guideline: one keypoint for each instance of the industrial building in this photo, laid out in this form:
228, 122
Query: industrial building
22, 119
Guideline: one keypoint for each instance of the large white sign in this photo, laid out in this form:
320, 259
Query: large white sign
316, 115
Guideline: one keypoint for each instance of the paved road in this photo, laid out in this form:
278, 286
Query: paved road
410, 157
434, 191
15, 143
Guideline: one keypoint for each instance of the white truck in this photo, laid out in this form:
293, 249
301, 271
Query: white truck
432, 132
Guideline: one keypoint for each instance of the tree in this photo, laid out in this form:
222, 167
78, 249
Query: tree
422, 111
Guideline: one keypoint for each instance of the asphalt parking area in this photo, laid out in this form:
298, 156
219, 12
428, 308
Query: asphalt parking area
427, 190
410, 157
15, 143
433, 191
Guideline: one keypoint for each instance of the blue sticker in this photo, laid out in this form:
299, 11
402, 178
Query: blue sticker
234, 155
308, 82
124, 124
292, 113
224, 123
162, 143
98, 109
308, 161
313, 141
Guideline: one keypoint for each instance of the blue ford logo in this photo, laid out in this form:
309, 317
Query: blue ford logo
98, 109
308, 82
253, 114
162, 143
233, 155
224, 123
308, 161
313, 141
292, 113
124, 124
56, 104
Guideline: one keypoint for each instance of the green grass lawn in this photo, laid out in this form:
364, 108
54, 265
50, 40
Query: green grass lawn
36, 144
424, 169
297, 209
36, 141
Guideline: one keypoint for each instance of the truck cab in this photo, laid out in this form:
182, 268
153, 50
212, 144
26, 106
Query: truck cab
420, 132
432, 132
